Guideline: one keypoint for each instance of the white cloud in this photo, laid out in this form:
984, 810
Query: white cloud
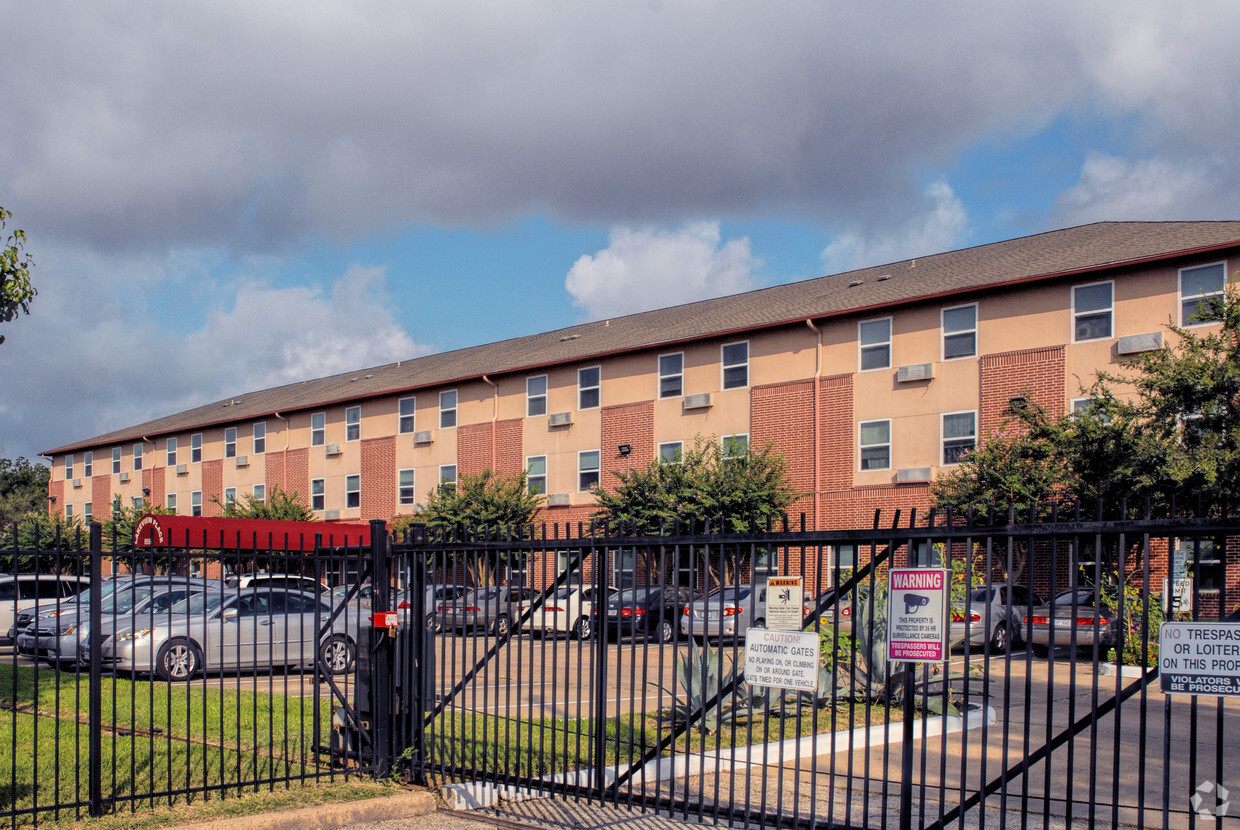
1117, 188
940, 228
644, 269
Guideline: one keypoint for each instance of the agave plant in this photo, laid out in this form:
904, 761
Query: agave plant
700, 675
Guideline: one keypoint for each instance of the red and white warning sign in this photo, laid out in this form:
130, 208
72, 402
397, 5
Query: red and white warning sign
917, 614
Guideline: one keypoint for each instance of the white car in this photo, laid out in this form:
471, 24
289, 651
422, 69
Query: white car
26, 592
569, 610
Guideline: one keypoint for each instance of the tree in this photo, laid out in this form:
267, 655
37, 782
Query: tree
23, 489
279, 504
16, 290
483, 502
118, 533
31, 544
735, 490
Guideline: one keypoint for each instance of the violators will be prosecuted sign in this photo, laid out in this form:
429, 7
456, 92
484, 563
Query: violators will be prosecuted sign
1199, 659
917, 615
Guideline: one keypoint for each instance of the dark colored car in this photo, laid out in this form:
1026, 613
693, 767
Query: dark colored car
1075, 617
652, 612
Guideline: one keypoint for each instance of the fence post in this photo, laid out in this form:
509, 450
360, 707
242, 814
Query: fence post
419, 673
95, 773
381, 687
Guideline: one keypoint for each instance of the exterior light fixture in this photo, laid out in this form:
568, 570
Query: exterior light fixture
625, 449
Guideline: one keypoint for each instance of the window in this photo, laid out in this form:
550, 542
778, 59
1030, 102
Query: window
116, 460
959, 435
138, 502
536, 475
352, 423
88, 464
171, 450
230, 496
734, 446
536, 396
230, 442
1208, 566
405, 409
1198, 286
765, 564
260, 493
195, 503
69, 513
588, 381
876, 445
318, 493
170, 502
68, 466
447, 476
587, 470
87, 513
318, 429
959, 332
875, 339
845, 555
260, 437
195, 447
671, 375
672, 452
624, 569
566, 560
735, 358
404, 486
137, 457
447, 409
116, 506
1091, 311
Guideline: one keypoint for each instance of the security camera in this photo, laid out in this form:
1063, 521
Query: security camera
914, 602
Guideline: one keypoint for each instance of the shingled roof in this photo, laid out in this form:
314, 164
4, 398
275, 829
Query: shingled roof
1043, 256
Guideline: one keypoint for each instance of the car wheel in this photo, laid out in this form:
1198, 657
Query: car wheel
582, 630
665, 632
337, 654
433, 623
759, 623
999, 641
178, 659
501, 626
1041, 650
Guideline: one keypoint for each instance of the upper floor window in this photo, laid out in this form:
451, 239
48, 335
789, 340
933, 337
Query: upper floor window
69, 513
318, 429
170, 501
1198, 286
959, 435
447, 409
734, 446
353, 491
875, 445
671, 452
588, 381
1091, 311
195, 503
68, 466
875, 339
536, 474
671, 375
405, 409
404, 487
735, 359
959, 332
88, 464
587, 470
171, 449
230, 496
116, 459
137, 457
230, 442
352, 423
318, 494
195, 447
260, 437
536, 396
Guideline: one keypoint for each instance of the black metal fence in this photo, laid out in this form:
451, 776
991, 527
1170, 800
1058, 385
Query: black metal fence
611, 666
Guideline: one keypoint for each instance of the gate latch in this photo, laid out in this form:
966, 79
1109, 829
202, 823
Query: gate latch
384, 619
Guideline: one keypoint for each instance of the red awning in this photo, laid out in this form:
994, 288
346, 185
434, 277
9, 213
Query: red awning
157, 530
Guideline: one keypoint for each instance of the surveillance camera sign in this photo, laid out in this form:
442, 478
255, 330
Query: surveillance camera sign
917, 600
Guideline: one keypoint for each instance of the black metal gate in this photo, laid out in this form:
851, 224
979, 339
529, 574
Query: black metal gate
608, 665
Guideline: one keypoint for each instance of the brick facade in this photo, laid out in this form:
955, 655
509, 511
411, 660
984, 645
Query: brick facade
55, 497
509, 447
378, 478
212, 487
153, 480
836, 456
474, 449
782, 415
1037, 374
101, 496
631, 424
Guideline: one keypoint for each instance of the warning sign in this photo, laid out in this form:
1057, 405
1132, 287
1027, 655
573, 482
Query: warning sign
917, 615
1199, 659
781, 659
784, 611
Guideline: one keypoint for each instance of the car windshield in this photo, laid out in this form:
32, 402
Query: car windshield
982, 594
198, 604
484, 593
1082, 598
635, 596
119, 602
730, 594
565, 593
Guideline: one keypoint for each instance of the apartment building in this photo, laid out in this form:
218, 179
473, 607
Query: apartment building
872, 383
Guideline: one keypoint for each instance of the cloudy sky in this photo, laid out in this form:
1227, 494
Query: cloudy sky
223, 196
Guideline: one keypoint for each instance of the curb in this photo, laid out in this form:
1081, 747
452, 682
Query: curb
329, 816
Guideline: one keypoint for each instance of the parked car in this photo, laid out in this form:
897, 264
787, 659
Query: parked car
837, 613
297, 582
993, 617
570, 609
652, 612
34, 592
56, 635
433, 597
491, 608
725, 612
245, 628
1075, 612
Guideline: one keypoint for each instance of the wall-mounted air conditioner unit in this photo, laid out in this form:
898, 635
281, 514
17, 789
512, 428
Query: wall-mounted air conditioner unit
559, 419
701, 401
124, 478
182, 469
557, 500
328, 515
243, 461
1137, 343
907, 474
423, 437
915, 371
333, 449
77, 483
